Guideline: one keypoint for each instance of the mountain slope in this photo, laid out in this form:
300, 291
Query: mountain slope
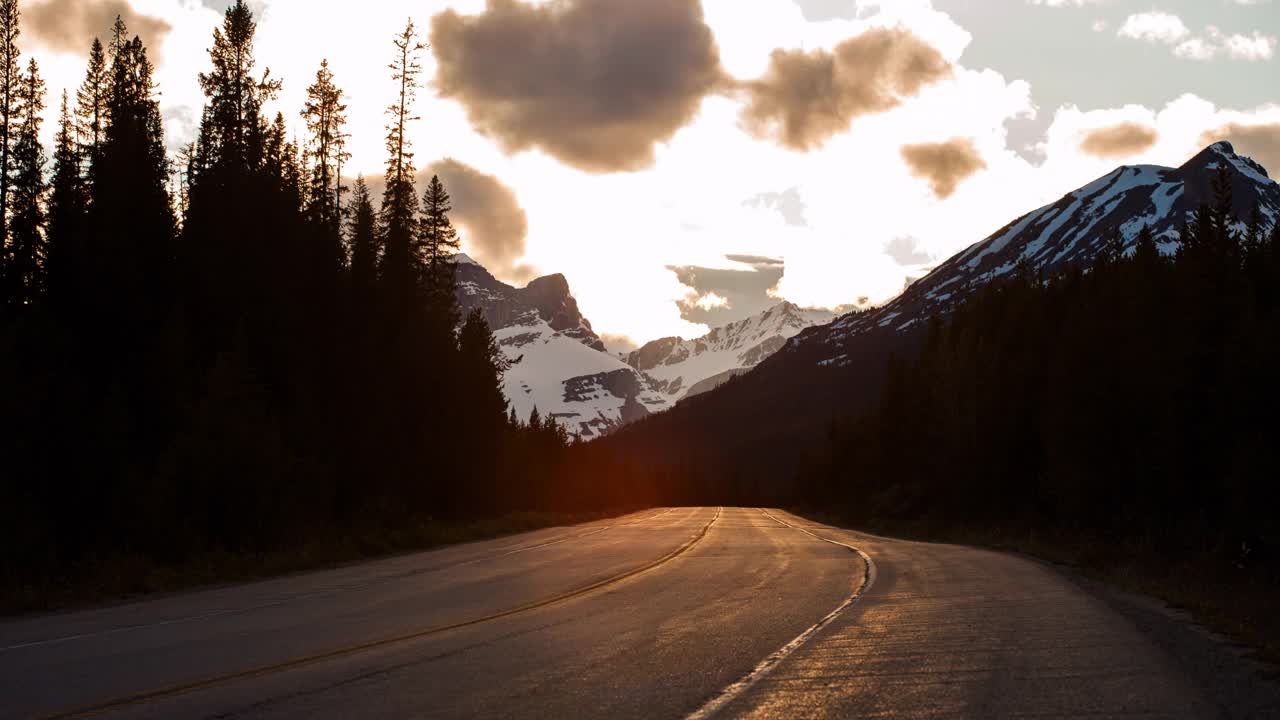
759, 429
1071, 231
558, 363
683, 368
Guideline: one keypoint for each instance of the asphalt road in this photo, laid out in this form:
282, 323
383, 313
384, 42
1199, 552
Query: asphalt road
674, 613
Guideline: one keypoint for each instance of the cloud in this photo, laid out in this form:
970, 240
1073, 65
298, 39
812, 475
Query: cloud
758, 260
1065, 3
594, 83
906, 251
493, 223
1118, 141
711, 301
71, 25
1260, 142
820, 10
1155, 26
619, 344
718, 296
1167, 29
945, 165
1252, 47
806, 98
789, 204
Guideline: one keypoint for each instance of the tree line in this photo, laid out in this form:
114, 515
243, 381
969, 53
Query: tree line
1132, 404
229, 350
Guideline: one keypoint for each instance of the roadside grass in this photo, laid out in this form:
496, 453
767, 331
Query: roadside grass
118, 578
1238, 603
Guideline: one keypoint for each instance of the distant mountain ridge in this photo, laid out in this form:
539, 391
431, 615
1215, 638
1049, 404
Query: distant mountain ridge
685, 368
559, 365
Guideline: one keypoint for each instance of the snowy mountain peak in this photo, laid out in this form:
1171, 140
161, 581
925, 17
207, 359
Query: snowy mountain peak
557, 362
1218, 153
546, 299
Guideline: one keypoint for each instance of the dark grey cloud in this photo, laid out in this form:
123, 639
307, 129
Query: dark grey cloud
906, 251
494, 226
71, 25
944, 165
1260, 142
746, 290
1119, 141
806, 98
594, 83
788, 203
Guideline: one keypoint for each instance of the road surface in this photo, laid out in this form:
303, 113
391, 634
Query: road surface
672, 613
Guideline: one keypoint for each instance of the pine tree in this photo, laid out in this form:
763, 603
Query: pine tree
119, 38
1145, 254
483, 416
399, 200
362, 237
439, 244
27, 225
91, 104
1254, 237
483, 365
326, 116
68, 206
281, 164
239, 228
232, 132
10, 83
130, 246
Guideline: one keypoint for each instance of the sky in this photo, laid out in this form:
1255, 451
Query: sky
686, 163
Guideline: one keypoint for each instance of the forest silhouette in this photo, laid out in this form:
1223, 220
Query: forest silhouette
230, 352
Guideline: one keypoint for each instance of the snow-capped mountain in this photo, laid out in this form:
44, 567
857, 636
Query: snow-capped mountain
1071, 230
683, 368
560, 366
558, 363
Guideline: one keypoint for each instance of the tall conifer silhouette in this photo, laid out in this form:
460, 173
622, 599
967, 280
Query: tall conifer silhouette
399, 200
26, 228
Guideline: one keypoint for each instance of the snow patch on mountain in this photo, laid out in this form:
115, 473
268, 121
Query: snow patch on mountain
682, 368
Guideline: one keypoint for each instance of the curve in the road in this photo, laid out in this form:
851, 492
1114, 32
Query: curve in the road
216, 680
766, 666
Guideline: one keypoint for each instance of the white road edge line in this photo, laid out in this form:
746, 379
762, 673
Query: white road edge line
731, 693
